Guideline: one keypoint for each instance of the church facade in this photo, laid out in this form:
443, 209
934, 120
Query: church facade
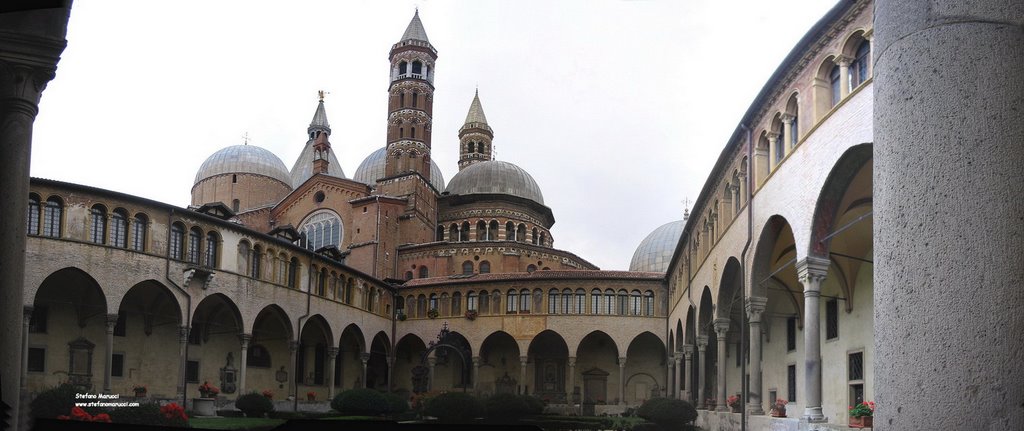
305, 281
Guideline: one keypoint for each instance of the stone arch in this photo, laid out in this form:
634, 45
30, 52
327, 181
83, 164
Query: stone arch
548, 352
377, 363
500, 369
827, 208
269, 349
408, 351
645, 355
215, 327
348, 369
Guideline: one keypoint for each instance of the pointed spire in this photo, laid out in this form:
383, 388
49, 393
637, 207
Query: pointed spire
415, 30
476, 111
319, 118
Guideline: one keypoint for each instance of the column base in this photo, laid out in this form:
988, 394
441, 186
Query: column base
755, 410
723, 408
813, 415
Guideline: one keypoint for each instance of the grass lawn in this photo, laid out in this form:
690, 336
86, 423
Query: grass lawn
235, 423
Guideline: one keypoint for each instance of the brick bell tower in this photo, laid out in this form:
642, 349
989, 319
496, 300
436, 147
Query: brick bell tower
475, 136
411, 104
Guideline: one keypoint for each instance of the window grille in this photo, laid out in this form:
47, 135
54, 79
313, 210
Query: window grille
791, 382
831, 319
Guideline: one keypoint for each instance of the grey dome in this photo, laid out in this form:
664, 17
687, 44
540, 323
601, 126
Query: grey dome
244, 159
372, 169
303, 167
496, 176
655, 251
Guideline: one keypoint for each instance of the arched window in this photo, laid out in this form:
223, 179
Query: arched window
648, 303
485, 302
609, 301
257, 257
417, 67
456, 304
98, 224
350, 291
282, 263
510, 231
401, 100
492, 230
119, 228
464, 232
859, 67
440, 233
467, 267
531, 267
177, 242
33, 214
472, 147
623, 304
485, 267
212, 240
580, 305
595, 301
521, 233
424, 272
408, 275
433, 302
321, 229
534, 237
53, 217
414, 98
235, 204
553, 301
403, 68
524, 301
543, 239
471, 301
293, 273
321, 285
481, 231
195, 238
634, 302
833, 79
412, 132
453, 232
421, 306
511, 301
567, 304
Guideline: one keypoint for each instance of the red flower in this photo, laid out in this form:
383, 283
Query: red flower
102, 417
172, 411
80, 415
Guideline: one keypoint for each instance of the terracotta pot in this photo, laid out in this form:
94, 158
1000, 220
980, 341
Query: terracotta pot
862, 422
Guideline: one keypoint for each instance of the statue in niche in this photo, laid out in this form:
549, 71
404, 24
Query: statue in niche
227, 375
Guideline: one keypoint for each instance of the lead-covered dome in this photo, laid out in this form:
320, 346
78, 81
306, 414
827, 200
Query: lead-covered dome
244, 159
495, 177
372, 169
655, 251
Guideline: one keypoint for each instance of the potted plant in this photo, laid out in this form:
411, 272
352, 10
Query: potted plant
310, 396
471, 314
779, 408
401, 316
432, 313
205, 404
206, 390
734, 403
267, 393
862, 415
140, 391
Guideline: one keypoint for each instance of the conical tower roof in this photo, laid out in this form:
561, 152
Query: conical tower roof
415, 30
320, 118
476, 111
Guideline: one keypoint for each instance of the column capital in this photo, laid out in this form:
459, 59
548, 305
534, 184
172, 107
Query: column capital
572, 361
111, 322
332, 352
755, 308
365, 357
688, 350
772, 136
787, 118
524, 359
431, 361
722, 326
293, 346
183, 333
477, 361
27, 313
677, 360
843, 60
702, 342
244, 339
811, 271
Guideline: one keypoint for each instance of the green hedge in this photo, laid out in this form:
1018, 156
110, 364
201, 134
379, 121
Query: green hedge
454, 407
254, 405
361, 402
670, 414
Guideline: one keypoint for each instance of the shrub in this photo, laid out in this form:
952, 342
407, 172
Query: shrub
668, 413
150, 414
454, 407
254, 405
360, 402
534, 405
396, 404
506, 407
54, 402
646, 426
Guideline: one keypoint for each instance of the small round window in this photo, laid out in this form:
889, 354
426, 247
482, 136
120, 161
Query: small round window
319, 197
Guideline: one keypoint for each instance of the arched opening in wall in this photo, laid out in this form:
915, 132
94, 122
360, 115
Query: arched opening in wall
176, 249
485, 267
521, 233
272, 331
549, 354
421, 306
216, 325
403, 68
472, 147
440, 233
453, 232
793, 110
322, 228
826, 87
467, 267
485, 302
622, 299
69, 306
212, 250
706, 336
534, 238
761, 159
424, 272
444, 304
779, 147
415, 96
311, 358
472, 302
149, 317
492, 231
410, 306
464, 232
408, 275
348, 366
543, 239
510, 231
597, 369
140, 225
554, 302
53, 217
432, 304
500, 371
451, 371
408, 352
530, 268
34, 210
481, 231
496, 302
858, 50
377, 363
417, 67
350, 290
456, 306
690, 339
98, 224
118, 227
645, 365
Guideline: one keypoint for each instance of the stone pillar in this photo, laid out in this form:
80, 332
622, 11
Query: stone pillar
572, 380
431, 362
108, 364
787, 130
811, 272
670, 376
31, 42
332, 358
364, 358
293, 349
702, 359
773, 156
844, 75
26, 319
755, 308
522, 374
243, 360
721, 333
476, 373
391, 372
947, 228
622, 380
182, 359
677, 379
688, 375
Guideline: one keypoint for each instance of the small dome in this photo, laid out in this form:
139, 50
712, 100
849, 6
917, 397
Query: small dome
496, 176
244, 159
372, 169
656, 250
302, 170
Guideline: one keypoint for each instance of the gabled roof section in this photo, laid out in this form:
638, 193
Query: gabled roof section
216, 209
415, 30
286, 232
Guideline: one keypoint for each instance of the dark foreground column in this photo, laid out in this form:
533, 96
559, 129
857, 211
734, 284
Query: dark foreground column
949, 214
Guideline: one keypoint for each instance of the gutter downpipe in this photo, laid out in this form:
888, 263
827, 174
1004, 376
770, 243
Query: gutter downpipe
188, 303
298, 327
744, 338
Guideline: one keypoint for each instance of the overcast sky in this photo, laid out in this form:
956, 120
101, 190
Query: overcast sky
617, 108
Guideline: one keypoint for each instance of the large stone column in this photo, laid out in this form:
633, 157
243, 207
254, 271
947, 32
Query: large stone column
787, 131
391, 372
293, 360
332, 358
31, 42
431, 362
811, 272
773, 156
702, 359
26, 321
670, 376
571, 381
677, 376
948, 232
622, 380
182, 360
364, 358
844, 75
721, 333
522, 374
109, 352
243, 361
755, 308
687, 374
476, 373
